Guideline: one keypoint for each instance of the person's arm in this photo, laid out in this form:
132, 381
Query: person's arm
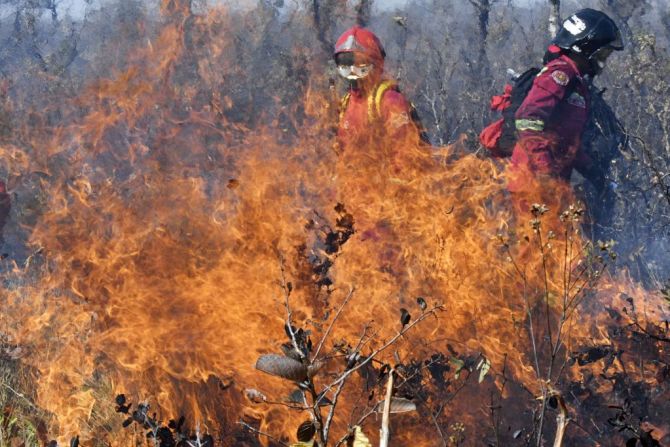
585, 165
395, 114
549, 88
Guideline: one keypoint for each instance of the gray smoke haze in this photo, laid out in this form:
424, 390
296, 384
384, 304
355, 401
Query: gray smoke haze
437, 51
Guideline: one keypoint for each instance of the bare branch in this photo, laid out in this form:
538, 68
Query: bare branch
262, 433
330, 326
369, 358
554, 17
287, 294
562, 421
384, 433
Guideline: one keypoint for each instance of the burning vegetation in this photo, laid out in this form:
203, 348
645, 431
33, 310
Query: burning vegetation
191, 261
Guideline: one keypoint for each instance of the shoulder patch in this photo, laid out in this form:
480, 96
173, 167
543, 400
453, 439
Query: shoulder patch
560, 77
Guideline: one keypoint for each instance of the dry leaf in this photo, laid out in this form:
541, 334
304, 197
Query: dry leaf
280, 366
360, 440
398, 405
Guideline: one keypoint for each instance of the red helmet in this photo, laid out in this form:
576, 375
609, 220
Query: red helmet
360, 40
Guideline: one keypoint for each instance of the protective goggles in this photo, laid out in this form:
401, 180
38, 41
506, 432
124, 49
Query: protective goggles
354, 71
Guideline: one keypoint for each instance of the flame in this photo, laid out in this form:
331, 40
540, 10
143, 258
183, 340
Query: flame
166, 229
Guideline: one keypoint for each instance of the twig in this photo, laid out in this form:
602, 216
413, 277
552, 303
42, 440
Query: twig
545, 271
496, 423
562, 421
262, 433
384, 432
347, 373
586, 432
287, 294
437, 427
28, 401
529, 312
366, 415
331, 412
647, 333
332, 322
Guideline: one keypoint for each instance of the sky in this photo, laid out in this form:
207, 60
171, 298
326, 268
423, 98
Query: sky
76, 8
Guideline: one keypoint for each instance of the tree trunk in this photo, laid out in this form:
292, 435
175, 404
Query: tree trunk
321, 12
554, 17
177, 7
483, 8
363, 12
623, 12
385, 433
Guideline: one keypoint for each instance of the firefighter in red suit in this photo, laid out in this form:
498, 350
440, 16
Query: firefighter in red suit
373, 111
378, 140
552, 117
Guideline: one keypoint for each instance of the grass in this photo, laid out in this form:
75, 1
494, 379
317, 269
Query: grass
18, 414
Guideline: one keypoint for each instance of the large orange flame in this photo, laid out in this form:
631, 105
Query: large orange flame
158, 254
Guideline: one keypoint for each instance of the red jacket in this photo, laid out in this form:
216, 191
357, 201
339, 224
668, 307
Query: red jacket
550, 122
365, 119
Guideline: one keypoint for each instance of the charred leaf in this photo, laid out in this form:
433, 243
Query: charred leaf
177, 425
121, 406
438, 366
280, 366
296, 397
306, 431
164, 437
592, 354
405, 317
647, 440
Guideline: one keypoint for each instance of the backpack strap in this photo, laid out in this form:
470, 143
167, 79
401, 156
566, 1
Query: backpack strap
374, 100
376, 97
344, 102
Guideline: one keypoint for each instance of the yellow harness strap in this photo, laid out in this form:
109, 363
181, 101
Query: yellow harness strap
374, 100
344, 102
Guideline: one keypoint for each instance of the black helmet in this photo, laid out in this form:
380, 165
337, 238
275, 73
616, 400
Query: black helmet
587, 31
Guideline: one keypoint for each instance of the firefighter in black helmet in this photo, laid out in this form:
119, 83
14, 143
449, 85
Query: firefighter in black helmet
551, 120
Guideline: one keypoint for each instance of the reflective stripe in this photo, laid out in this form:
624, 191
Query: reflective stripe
524, 124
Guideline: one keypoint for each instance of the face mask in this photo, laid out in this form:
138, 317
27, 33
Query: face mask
354, 72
